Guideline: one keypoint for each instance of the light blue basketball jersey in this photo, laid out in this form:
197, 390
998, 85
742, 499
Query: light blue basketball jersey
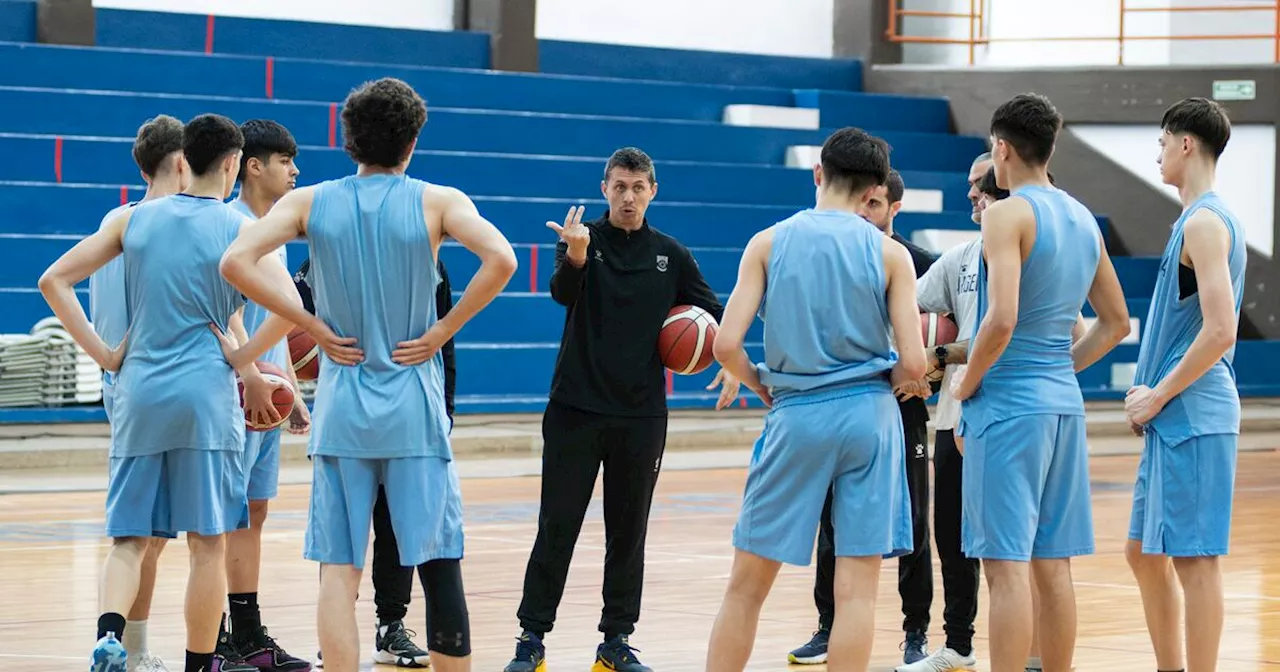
825, 311
255, 315
373, 275
1036, 375
107, 308
175, 388
1210, 405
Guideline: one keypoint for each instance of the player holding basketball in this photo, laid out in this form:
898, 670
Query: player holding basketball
1026, 471
176, 462
915, 569
1185, 399
157, 150
618, 278
267, 172
830, 365
379, 410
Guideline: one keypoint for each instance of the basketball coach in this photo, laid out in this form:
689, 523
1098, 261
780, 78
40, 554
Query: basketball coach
617, 278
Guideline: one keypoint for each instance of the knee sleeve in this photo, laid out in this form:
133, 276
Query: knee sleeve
448, 624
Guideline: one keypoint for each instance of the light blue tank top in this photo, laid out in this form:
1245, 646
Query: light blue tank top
826, 319
255, 315
175, 388
1211, 405
1036, 375
107, 308
374, 278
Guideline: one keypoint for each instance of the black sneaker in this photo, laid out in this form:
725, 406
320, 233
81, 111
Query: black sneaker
616, 655
227, 658
264, 654
393, 646
531, 655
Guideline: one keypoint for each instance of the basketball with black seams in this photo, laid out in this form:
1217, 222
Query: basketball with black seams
304, 353
686, 339
937, 330
281, 397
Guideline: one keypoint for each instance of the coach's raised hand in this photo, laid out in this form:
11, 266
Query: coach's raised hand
574, 234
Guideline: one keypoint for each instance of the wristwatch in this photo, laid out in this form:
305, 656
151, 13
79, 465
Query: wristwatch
941, 353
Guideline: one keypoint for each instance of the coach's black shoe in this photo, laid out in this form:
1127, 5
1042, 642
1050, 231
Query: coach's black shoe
392, 646
531, 655
915, 647
616, 655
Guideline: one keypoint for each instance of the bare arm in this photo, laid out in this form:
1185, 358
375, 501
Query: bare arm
463, 222
236, 326
741, 311
1002, 224
904, 312
1206, 243
242, 268
1112, 324
275, 328
58, 282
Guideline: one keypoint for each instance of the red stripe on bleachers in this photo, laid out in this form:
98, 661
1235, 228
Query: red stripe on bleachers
208, 35
333, 124
57, 159
271, 72
533, 269
124, 195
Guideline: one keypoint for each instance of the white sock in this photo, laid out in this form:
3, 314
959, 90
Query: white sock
135, 638
1033, 663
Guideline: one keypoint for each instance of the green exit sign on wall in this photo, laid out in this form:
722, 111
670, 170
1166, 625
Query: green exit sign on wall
1239, 89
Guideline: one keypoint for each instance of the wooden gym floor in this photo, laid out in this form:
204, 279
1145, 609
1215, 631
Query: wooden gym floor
51, 550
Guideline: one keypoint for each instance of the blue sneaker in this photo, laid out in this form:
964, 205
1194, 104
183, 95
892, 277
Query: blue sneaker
915, 648
531, 655
616, 655
813, 653
109, 655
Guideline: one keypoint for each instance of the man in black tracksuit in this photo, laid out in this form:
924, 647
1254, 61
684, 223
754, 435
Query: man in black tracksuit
617, 278
392, 582
915, 571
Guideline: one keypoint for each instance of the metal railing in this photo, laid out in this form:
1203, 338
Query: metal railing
978, 27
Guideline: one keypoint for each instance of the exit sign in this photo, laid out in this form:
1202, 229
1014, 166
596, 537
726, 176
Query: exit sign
1240, 89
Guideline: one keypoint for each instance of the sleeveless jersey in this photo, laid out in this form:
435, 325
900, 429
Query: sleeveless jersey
255, 315
107, 308
374, 278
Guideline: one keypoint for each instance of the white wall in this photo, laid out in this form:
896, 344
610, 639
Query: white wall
1246, 171
419, 14
1098, 19
775, 27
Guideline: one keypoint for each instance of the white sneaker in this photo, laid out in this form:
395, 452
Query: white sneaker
147, 663
944, 660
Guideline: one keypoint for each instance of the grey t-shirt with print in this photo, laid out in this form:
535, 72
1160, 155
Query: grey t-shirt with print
951, 286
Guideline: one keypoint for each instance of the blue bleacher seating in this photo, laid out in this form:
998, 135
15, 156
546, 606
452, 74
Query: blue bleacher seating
525, 146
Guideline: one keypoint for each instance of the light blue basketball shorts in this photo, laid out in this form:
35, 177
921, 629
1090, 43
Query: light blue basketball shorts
1183, 496
850, 438
423, 496
262, 463
1026, 489
181, 490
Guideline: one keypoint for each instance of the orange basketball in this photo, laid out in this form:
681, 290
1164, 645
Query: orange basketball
281, 397
686, 339
305, 355
938, 329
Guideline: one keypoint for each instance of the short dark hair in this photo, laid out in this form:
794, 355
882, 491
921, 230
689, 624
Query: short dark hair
1202, 118
208, 139
895, 186
632, 160
988, 186
854, 160
264, 137
157, 138
380, 122
1030, 123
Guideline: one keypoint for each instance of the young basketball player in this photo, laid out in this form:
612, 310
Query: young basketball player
915, 569
157, 150
1026, 471
267, 172
830, 365
379, 411
1185, 398
176, 462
